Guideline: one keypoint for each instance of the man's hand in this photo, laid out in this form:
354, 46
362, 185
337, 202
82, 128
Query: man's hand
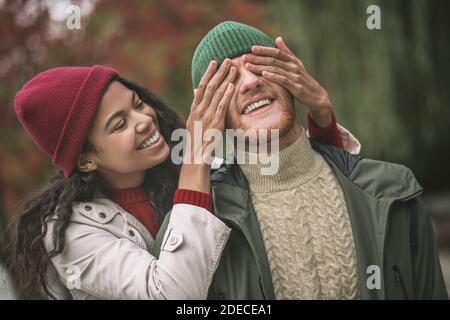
281, 66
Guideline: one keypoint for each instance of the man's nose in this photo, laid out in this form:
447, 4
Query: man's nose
249, 80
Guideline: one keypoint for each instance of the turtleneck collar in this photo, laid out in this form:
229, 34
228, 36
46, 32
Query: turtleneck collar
129, 196
298, 163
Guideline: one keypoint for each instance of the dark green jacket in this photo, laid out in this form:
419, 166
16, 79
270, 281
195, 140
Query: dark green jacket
391, 228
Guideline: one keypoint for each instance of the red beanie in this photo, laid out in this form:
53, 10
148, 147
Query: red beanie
57, 108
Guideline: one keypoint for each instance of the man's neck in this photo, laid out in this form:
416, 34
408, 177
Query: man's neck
291, 136
293, 166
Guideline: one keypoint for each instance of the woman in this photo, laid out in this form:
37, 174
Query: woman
98, 249
95, 222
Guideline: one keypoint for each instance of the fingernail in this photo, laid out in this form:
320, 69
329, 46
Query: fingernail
213, 62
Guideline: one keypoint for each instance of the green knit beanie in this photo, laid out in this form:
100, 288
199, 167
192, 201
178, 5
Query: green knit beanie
228, 39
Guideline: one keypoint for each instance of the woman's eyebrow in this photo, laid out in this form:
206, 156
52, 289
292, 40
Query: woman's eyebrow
119, 113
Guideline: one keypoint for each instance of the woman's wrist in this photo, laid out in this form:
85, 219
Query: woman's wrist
192, 197
195, 177
322, 117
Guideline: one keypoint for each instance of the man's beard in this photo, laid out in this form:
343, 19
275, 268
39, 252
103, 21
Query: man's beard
289, 123
263, 137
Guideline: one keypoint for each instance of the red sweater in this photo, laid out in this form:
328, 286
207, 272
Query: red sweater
136, 202
328, 135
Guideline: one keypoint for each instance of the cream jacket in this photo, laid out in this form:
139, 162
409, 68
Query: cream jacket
107, 253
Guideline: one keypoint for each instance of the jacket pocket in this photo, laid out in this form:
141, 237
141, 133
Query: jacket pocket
399, 281
172, 240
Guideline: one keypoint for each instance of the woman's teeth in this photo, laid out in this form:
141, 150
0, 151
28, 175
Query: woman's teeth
256, 105
150, 141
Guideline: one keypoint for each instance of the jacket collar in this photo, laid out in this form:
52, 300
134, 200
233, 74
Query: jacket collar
110, 208
402, 185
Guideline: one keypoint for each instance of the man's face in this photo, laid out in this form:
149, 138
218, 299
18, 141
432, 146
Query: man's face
258, 103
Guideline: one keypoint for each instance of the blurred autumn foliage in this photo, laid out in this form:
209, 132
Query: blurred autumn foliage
149, 42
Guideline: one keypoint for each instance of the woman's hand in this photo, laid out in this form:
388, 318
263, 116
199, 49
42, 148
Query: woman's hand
213, 95
281, 66
208, 109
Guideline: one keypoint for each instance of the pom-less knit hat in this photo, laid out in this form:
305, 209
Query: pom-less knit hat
228, 39
57, 108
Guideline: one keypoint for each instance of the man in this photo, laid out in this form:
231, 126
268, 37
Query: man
326, 224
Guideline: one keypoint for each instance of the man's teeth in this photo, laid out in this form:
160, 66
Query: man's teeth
150, 141
256, 105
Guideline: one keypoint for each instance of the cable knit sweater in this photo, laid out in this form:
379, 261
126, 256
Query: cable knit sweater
305, 226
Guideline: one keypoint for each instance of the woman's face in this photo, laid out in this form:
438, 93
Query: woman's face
126, 137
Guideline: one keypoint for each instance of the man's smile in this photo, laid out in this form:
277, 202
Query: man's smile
255, 104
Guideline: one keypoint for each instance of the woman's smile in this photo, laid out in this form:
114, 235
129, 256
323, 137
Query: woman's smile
155, 141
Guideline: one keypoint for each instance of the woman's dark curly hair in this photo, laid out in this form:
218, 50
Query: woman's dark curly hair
30, 260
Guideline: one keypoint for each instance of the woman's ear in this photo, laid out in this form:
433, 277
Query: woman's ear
86, 165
